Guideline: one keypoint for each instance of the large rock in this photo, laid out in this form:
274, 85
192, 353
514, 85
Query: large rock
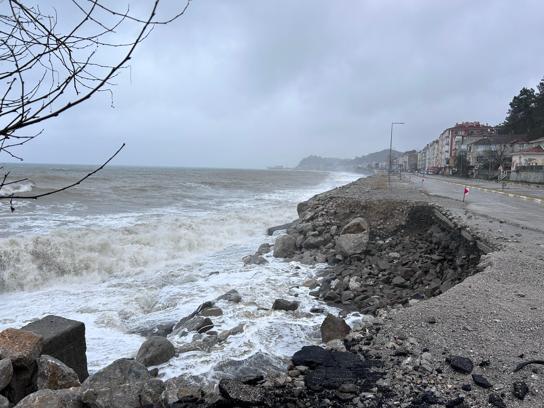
52, 399
20, 346
285, 246
353, 237
152, 392
119, 385
198, 324
334, 328
351, 244
63, 339
271, 230
53, 374
155, 350
180, 388
231, 296
330, 369
241, 394
6, 373
314, 242
356, 226
282, 304
255, 259
263, 249
257, 365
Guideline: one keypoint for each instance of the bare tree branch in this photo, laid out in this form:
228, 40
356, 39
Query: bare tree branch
48, 67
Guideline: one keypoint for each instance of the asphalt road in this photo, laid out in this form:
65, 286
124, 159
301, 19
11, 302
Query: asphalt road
513, 210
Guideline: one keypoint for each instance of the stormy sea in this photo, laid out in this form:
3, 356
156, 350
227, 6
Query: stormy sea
132, 248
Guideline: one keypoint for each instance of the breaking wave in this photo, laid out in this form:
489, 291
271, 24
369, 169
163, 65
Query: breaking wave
33, 261
22, 187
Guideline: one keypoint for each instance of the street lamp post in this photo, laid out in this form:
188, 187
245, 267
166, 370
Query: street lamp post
391, 152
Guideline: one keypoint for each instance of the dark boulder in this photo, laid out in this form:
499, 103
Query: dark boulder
285, 246
155, 350
63, 339
271, 230
330, 369
122, 384
198, 324
231, 296
52, 399
334, 328
53, 374
282, 304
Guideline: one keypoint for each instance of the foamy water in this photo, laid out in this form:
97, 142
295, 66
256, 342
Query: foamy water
138, 247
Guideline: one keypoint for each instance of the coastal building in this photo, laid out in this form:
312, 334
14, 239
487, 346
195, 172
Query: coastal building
533, 156
422, 159
454, 141
433, 158
408, 161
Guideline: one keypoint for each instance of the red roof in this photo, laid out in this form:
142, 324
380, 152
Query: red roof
537, 150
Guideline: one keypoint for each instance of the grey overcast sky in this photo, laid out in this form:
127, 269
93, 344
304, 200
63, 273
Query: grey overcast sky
247, 83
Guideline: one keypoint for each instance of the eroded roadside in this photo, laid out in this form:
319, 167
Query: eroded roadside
456, 303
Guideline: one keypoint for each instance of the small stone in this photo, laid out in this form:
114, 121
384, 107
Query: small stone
496, 400
4, 402
520, 390
466, 387
481, 381
461, 364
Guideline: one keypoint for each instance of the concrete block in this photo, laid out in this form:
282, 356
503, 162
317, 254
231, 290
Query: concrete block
63, 339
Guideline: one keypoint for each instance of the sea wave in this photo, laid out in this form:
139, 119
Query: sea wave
31, 261
22, 187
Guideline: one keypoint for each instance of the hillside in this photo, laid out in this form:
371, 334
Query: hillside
358, 164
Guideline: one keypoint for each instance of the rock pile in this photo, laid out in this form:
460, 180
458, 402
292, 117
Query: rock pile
381, 253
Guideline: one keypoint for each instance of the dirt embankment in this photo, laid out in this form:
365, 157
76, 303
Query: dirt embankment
452, 321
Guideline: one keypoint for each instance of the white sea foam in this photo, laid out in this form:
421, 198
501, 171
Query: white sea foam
125, 271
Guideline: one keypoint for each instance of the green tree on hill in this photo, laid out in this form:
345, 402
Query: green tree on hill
520, 118
526, 113
539, 110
